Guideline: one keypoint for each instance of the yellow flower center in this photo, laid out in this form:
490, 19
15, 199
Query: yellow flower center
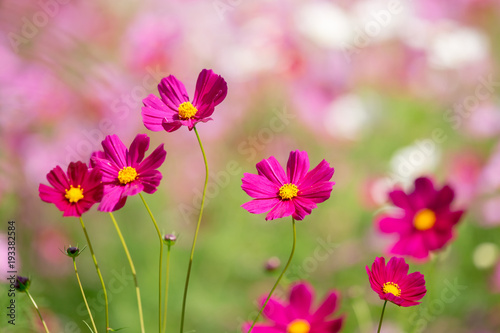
288, 191
391, 287
298, 326
187, 110
127, 175
424, 219
74, 194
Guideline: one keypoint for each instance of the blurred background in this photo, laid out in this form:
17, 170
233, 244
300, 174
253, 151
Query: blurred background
385, 91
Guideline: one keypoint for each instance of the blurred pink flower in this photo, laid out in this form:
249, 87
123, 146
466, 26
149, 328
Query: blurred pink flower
427, 221
296, 316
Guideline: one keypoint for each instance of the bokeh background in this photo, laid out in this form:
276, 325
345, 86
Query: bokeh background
383, 90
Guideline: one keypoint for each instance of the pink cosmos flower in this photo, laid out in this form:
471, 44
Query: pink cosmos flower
393, 283
174, 108
295, 193
427, 220
73, 192
297, 316
125, 171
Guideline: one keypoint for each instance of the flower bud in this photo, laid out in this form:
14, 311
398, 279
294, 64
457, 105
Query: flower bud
22, 283
169, 239
73, 251
272, 264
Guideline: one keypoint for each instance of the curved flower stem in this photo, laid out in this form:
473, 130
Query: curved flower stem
160, 262
36, 307
83, 294
381, 317
132, 268
196, 232
165, 305
279, 278
98, 273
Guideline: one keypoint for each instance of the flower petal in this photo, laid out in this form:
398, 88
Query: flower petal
326, 308
321, 173
259, 206
331, 326
172, 92
259, 187
153, 161
283, 208
271, 169
58, 178
401, 200
301, 296
112, 199
115, 150
171, 126
303, 207
154, 112
396, 270
138, 148
297, 166
318, 192
211, 89
259, 328
275, 311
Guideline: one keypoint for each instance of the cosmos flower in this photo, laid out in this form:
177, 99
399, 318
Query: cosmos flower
174, 109
125, 171
295, 193
426, 222
73, 192
393, 283
296, 316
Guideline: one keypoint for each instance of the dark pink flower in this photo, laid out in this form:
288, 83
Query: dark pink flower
126, 172
426, 222
174, 109
296, 316
393, 283
295, 193
73, 192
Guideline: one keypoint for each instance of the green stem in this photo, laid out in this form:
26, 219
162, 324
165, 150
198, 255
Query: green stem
84, 298
36, 307
381, 317
98, 273
279, 278
160, 262
132, 268
165, 305
195, 234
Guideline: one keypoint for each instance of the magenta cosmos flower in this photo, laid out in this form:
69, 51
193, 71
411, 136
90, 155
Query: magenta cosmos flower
296, 316
125, 171
426, 221
73, 192
295, 193
393, 283
174, 108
